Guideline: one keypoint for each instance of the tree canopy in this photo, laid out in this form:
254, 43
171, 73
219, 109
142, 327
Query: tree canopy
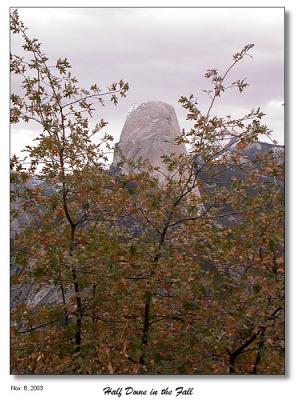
183, 277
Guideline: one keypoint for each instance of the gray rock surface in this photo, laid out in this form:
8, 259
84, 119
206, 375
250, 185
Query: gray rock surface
148, 133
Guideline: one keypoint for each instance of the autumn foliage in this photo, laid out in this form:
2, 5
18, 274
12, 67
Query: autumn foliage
183, 277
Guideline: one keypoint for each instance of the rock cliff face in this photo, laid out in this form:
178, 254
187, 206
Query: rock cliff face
148, 133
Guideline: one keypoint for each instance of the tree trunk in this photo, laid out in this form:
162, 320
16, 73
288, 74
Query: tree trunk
146, 325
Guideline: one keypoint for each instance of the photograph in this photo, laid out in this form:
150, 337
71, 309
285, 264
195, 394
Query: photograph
147, 191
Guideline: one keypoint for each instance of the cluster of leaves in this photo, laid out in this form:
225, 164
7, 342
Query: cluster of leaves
185, 276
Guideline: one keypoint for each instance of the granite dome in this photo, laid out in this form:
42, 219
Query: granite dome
149, 132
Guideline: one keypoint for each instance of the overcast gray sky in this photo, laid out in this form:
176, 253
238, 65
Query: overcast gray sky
163, 53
